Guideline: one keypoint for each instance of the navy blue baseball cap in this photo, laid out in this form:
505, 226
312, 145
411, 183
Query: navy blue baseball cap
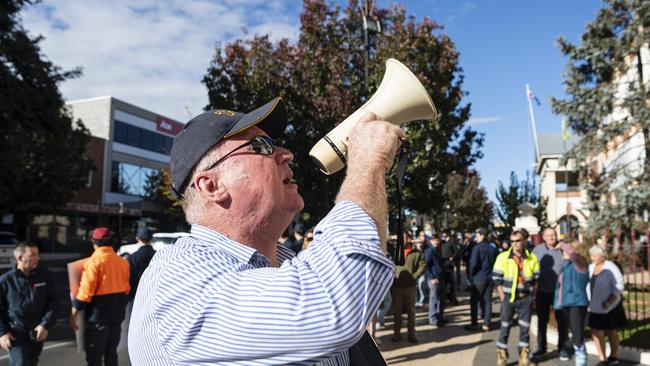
204, 131
144, 234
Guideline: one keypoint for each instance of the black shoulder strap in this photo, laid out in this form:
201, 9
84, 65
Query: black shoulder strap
366, 353
398, 255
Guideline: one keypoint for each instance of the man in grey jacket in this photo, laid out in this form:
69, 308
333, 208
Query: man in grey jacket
550, 265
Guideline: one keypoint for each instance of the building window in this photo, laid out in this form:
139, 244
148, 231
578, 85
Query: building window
134, 180
566, 181
139, 137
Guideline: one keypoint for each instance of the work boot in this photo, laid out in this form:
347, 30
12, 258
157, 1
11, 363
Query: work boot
502, 357
523, 356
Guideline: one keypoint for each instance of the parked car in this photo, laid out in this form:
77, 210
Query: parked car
158, 242
8, 242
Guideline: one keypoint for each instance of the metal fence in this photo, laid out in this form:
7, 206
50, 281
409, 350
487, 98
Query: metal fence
629, 249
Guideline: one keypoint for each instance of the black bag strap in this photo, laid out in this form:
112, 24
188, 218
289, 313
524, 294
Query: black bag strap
398, 255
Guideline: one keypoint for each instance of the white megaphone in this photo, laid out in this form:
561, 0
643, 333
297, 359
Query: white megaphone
400, 98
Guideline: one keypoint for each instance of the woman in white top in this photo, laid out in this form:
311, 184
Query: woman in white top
606, 314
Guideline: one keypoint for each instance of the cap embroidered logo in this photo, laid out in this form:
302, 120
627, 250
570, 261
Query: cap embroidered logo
220, 112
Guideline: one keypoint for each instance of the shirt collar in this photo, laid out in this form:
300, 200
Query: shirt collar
241, 252
524, 254
104, 249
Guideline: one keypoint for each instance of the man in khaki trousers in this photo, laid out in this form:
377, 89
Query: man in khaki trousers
404, 290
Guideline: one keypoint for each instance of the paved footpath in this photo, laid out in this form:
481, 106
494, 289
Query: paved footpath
448, 346
452, 345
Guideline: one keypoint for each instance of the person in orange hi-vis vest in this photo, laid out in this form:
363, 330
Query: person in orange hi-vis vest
103, 294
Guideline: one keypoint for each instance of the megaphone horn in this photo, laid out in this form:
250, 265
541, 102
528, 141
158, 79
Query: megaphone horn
400, 98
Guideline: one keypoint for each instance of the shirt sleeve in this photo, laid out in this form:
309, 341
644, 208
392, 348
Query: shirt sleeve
88, 285
421, 266
4, 308
473, 263
618, 279
314, 306
49, 318
497, 271
535, 268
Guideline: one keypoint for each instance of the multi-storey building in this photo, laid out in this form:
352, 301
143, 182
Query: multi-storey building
129, 146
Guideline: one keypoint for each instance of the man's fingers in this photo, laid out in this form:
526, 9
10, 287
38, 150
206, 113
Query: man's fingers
369, 116
11, 336
401, 134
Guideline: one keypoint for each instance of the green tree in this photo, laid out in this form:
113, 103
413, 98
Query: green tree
42, 149
321, 78
518, 192
158, 189
607, 105
469, 205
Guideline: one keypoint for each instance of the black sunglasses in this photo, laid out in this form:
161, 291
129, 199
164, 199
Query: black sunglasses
261, 145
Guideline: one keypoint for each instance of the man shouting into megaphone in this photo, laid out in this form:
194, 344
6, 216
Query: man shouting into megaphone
228, 294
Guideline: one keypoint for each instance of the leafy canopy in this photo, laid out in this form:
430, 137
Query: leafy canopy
321, 78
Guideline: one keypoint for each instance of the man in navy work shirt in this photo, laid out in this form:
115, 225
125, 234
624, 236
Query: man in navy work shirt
481, 263
27, 307
228, 294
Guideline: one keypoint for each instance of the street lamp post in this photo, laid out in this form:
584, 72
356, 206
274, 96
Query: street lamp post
119, 224
370, 25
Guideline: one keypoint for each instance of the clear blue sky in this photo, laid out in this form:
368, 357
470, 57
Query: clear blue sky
503, 45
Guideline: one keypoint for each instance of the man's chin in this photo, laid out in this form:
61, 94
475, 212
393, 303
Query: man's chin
300, 204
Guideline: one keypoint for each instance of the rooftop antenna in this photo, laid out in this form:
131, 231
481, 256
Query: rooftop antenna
187, 110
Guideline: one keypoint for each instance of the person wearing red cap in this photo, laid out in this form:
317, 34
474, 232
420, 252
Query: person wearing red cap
103, 293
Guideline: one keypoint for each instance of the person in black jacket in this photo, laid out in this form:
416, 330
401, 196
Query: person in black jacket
27, 307
435, 276
139, 261
481, 262
468, 245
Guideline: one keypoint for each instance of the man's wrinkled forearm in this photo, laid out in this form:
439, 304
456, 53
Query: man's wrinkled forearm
366, 186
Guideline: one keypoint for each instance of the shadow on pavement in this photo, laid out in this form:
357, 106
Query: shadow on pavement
436, 350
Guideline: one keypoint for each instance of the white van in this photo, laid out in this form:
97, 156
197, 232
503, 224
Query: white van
158, 242
8, 242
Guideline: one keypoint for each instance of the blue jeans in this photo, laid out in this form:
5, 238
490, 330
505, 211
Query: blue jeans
25, 353
422, 287
384, 307
437, 294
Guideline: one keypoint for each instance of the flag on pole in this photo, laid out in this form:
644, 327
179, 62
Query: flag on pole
533, 97
565, 129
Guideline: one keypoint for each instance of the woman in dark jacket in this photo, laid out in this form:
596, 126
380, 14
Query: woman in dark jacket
571, 297
606, 313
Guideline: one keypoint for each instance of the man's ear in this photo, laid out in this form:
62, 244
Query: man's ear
210, 186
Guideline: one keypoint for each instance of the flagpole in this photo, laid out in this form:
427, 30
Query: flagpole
565, 136
532, 122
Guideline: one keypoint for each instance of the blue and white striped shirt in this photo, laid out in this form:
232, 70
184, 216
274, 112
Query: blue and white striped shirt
209, 300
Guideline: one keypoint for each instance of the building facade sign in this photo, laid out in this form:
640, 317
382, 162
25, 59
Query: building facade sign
169, 126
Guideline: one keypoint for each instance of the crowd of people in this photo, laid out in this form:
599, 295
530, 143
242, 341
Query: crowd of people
28, 300
549, 278
229, 293
552, 277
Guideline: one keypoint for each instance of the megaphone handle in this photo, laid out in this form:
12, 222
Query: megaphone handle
398, 257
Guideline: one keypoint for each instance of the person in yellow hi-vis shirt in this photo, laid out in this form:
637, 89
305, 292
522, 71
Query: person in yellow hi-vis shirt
515, 274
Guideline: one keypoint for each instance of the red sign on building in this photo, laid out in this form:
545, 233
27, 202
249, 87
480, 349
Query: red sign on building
167, 125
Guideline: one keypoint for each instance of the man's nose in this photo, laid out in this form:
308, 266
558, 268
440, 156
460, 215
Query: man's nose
283, 155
